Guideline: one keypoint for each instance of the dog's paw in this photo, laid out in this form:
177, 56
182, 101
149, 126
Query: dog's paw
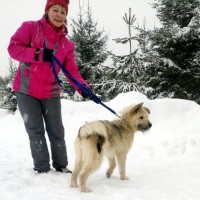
108, 174
74, 184
85, 189
124, 178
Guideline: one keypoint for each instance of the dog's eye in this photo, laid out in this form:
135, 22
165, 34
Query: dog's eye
141, 117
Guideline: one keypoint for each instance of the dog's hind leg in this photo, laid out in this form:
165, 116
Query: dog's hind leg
83, 178
87, 170
77, 167
112, 165
75, 173
121, 160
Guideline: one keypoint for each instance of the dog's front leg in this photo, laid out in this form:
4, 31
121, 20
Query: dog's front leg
112, 165
121, 160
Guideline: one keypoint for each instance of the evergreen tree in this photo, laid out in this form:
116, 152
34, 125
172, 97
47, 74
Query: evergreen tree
90, 45
7, 98
123, 75
178, 12
172, 53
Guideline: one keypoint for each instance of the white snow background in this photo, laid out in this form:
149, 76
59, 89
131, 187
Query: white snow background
163, 164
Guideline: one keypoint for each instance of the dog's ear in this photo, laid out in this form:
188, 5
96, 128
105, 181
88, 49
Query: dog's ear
147, 109
136, 108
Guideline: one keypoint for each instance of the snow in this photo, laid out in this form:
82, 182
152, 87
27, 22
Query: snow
162, 164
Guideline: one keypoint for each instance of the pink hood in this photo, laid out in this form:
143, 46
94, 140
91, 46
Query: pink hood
35, 78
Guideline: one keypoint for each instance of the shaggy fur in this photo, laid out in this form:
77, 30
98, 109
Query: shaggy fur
110, 138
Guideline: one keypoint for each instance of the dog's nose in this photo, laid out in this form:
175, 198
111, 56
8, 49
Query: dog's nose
150, 125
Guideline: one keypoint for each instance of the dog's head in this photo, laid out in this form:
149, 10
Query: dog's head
137, 117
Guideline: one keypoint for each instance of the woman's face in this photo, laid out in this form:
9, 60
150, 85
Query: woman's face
57, 15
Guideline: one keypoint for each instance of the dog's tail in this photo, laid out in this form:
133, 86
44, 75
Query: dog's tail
93, 128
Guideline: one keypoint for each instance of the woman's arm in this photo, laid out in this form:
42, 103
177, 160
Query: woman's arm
20, 44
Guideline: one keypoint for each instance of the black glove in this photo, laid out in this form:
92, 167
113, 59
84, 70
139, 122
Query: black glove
86, 92
47, 55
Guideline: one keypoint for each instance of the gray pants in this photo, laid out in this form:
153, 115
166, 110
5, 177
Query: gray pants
36, 113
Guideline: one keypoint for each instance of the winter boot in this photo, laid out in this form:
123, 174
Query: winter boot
63, 170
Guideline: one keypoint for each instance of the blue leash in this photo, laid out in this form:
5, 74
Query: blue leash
81, 86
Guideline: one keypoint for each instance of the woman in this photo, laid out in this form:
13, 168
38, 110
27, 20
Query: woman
36, 88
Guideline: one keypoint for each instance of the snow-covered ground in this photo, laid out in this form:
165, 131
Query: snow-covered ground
162, 164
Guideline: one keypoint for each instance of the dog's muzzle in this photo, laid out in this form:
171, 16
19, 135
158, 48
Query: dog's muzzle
146, 127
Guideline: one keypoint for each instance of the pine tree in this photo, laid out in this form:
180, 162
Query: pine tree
90, 45
7, 98
123, 75
172, 54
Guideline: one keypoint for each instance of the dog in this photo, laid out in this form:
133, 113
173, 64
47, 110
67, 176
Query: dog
112, 139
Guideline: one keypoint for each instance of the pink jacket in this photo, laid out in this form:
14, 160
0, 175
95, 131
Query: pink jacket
36, 78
